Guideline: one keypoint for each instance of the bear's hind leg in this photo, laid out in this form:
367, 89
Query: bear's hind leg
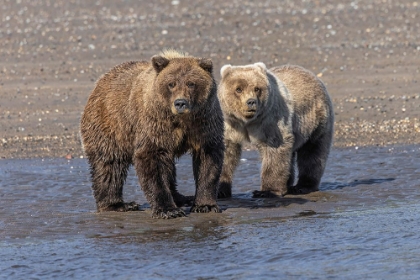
312, 158
231, 159
108, 179
179, 199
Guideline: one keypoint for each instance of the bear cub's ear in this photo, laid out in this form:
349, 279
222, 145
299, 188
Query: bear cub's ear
159, 62
206, 64
262, 66
225, 70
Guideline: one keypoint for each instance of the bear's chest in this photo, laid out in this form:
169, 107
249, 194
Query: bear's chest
185, 139
269, 135
178, 135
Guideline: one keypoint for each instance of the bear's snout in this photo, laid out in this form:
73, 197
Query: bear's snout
252, 103
181, 105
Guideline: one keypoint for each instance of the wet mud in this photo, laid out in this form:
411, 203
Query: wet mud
363, 222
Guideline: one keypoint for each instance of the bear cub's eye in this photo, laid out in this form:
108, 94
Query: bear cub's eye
190, 84
257, 89
171, 84
238, 90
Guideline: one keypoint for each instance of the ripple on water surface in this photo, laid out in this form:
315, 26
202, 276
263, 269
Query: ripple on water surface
364, 222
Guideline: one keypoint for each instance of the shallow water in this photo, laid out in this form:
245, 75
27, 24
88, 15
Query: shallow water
363, 223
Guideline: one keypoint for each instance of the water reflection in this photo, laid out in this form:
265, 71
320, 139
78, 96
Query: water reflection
363, 223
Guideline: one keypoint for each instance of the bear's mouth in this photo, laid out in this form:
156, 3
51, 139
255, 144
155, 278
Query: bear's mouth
250, 114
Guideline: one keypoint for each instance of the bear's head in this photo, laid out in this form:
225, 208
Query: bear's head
243, 90
184, 83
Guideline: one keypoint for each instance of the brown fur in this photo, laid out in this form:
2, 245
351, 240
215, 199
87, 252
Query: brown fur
288, 114
148, 114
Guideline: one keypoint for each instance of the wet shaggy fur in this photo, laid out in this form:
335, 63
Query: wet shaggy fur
148, 114
287, 113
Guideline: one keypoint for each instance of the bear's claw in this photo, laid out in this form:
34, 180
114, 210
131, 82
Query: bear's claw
205, 209
168, 214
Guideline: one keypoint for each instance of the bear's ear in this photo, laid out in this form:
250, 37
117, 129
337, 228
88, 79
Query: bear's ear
262, 66
225, 70
159, 62
206, 64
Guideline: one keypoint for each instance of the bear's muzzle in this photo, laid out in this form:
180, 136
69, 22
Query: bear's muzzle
181, 105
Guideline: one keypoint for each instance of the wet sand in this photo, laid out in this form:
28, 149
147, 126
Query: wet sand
59, 189
51, 54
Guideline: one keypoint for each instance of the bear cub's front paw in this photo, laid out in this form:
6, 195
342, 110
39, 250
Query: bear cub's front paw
205, 209
168, 213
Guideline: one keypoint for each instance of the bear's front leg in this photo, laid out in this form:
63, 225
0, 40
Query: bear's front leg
156, 172
275, 171
207, 166
108, 177
231, 159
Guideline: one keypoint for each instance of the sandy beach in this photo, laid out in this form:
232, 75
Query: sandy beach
51, 54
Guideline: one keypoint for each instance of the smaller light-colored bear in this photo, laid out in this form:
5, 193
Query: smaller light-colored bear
287, 113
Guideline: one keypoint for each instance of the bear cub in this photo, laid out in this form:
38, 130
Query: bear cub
148, 114
287, 113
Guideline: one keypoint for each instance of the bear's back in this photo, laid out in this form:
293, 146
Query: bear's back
301, 83
311, 102
121, 78
113, 89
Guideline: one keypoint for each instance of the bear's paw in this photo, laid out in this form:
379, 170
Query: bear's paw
225, 190
265, 194
183, 200
301, 190
121, 207
168, 213
205, 209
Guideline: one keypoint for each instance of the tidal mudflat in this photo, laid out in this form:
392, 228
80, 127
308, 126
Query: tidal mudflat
362, 223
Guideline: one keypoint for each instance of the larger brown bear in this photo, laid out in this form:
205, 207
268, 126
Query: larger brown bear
287, 113
148, 114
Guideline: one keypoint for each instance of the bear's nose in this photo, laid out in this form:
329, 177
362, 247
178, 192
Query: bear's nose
252, 103
181, 105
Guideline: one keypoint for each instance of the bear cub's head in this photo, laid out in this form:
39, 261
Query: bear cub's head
243, 90
184, 83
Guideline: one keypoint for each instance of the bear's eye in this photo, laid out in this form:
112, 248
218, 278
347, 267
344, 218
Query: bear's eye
190, 84
171, 84
257, 90
238, 90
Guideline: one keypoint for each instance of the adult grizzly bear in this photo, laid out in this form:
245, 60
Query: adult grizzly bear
148, 114
287, 113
